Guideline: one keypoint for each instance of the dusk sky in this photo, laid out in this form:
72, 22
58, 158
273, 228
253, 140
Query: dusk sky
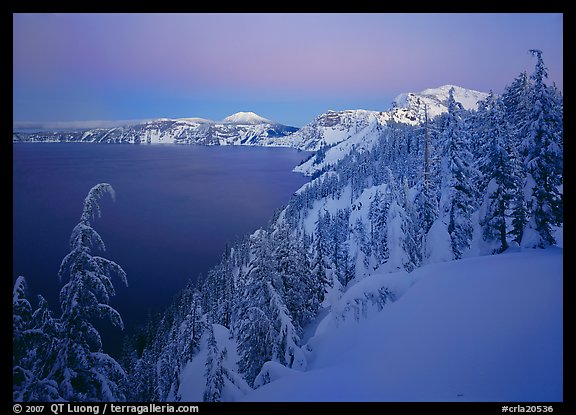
285, 67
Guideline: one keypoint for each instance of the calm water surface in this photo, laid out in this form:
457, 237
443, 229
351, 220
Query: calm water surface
176, 208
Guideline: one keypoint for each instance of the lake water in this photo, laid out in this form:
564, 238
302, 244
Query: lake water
176, 208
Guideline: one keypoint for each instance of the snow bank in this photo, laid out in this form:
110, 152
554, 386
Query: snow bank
478, 329
193, 379
272, 371
365, 298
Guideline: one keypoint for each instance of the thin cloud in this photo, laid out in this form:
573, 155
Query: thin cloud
72, 125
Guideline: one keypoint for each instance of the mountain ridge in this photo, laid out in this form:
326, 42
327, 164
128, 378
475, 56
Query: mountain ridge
356, 128
241, 128
327, 130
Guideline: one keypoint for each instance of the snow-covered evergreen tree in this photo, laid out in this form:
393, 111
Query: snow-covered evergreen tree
378, 214
340, 235
544, 159
458, 196
284, 336
516, 101
500, 167
35, 345
412, 243
295, 281
255, 326
362, 242
62, 358
214, 370
142, 367
83, 371
318, 266
21, 308
21, 318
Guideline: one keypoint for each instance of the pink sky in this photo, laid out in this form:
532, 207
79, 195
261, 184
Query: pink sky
287, 67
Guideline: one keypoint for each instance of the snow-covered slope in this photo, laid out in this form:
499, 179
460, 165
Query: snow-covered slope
331, 128
336, 132
193, 380
479, 329
243, 128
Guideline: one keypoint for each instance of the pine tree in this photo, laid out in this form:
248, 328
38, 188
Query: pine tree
228, 290
296, 282
516, 100
517, 107
340, 234
284, 336
412, 241
395, 217
21, 317
377, 214
324, 247
21, 308
255, 327
142, 379
83, 371
35, 345
426, 206
45, 335
318, 270
363, 244
544, 158
499, 166
215, 372
459, 192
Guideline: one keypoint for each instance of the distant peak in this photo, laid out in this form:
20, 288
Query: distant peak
248, 117
437, 97
444, 89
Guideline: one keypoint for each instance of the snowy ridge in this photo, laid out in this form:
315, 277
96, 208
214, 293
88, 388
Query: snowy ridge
363, 138
248, 128
436, 99
243, 128
335, 133
330, 128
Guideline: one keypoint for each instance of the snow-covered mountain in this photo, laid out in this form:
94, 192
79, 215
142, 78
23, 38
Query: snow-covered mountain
246, 118
337, 132
242, 128
331, 128
435, 99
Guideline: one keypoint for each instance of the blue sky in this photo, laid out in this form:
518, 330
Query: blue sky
285, 67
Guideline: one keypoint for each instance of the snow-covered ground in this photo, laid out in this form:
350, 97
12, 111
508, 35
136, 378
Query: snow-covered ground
193, 380
486, 328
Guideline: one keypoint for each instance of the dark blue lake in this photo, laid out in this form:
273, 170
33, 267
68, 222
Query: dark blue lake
176, 208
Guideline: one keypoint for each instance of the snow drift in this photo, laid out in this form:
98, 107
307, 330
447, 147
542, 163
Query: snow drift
478, 329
